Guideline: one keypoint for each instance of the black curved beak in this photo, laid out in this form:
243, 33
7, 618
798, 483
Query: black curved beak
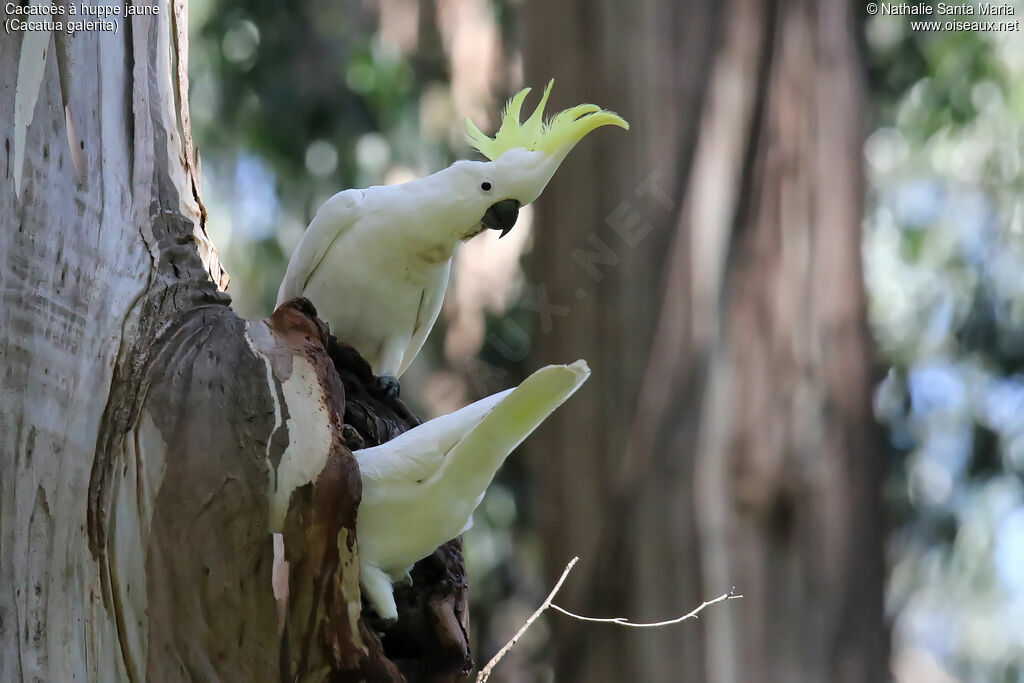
501, 216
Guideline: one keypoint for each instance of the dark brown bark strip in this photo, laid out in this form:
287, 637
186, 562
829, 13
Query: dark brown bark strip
430, 641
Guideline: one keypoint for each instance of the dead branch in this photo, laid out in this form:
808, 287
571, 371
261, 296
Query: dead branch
622, 621
548, 603
485, 672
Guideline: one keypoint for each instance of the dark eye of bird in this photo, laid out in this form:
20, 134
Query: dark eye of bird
485, 186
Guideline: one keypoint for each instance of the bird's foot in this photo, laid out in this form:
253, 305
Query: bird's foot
402, 580
389, 386
352, 438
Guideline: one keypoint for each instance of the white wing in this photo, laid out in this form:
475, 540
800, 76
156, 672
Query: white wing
430, 306
335, 217
420, 489
416, 455
475, 439
476, 455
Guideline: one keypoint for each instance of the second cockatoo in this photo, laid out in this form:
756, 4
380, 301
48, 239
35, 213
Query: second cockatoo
420, 489
376, 261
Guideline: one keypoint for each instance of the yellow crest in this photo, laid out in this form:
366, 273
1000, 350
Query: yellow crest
535, 134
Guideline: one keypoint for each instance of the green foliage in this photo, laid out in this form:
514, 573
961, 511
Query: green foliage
938, 69
310, 93
944, 251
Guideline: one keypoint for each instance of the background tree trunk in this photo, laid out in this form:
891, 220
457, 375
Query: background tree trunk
147, 429
714, 282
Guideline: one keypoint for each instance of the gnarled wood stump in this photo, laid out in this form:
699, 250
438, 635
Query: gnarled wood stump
430, 641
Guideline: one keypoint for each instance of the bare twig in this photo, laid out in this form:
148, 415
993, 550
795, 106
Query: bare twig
486, 672
623, 621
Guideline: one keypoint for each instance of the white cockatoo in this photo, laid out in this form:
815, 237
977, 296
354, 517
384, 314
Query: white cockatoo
375, 262
421, 488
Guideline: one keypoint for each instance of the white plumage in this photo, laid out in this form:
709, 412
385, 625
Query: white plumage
421, 488
375, 262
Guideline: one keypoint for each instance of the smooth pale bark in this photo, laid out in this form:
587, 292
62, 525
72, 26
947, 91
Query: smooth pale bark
105, 202
145, 428
708, 265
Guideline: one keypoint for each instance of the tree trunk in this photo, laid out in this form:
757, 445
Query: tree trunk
149, 434
715, 284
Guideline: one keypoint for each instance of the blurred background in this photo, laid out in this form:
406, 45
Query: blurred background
799, 282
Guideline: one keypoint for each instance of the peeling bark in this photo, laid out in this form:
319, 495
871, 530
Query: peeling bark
144, 426
324, 629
